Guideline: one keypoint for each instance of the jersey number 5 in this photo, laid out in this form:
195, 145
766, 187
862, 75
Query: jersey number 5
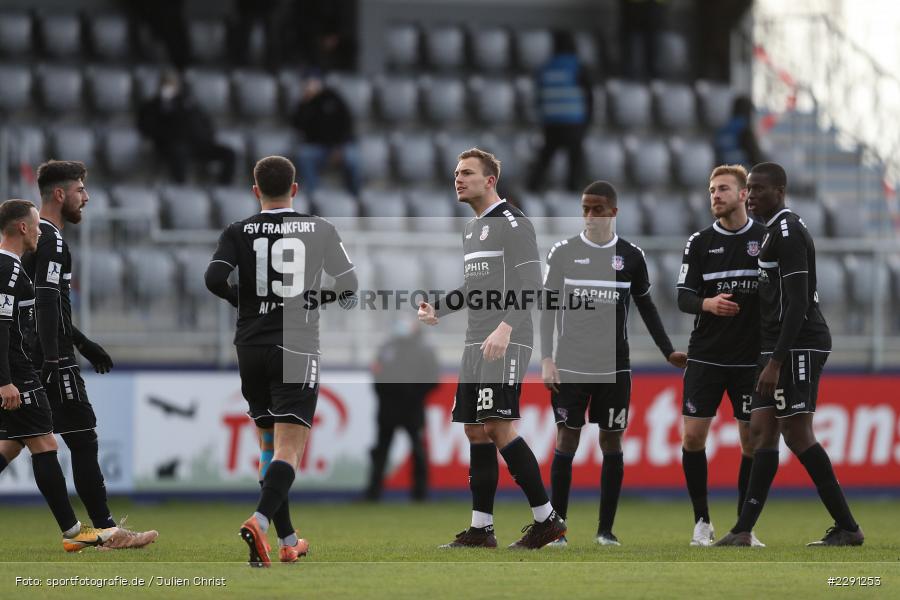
294, 268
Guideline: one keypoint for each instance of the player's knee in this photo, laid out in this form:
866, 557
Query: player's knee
477, 434
567, 439
81, 441
610, 441
694, 441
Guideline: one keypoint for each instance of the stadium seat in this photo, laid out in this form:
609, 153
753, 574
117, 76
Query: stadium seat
146, 81
648, 161
207, 40
256, 94
534, 47
60, 88
60, 35
673, 55
670, 266
526, 100
450, 145
831, 282
494, 101
290, 86
397, 270
629, 220
535, 208
444, 271
106, 276
444, 100
15, 93
334, 204
269, 142
445, 47
356, 91
715, 101
601, 108
491, 49
150, 275
383, 210
376, 158
893, 265
563, 213
432, 210
191, 274
140, 201
629, 104
109, 37
232, 204
666, 215
210, 89
237, 141
121, 149
110, 89
675, 105
588, 50
15, 33
811, 212
73, 142
414, 157
605, 159
698, 204
867, 280
845, 221
185, 207
99, 199
397, 99
403, 46
693, 161
31, 144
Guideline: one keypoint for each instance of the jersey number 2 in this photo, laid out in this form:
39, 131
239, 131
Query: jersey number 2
295, 267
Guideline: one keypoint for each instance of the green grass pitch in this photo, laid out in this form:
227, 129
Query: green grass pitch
390, 551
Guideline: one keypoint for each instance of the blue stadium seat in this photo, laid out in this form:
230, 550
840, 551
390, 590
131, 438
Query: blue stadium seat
190, 275
107, 271
121, 149
207, 39
605, 158
676, 107
444, 99
31, 144
715, 101
110, 89
185, 207
356, 91
60, 35
450, 145
666, 215
811, 212
210, 89
74, 142
526, 99
432, 210
15, 92
445, 47
334, 204
629, 104
673, 55
403, 46
232, 204
397, 270
588, 49
109, 37
376, 158
831, 282
844, 223
146, 81
491, 48
693, 160
494, 101
415, 157
150, 275
384, 210
256, 94
397, 99
16, 33
648, 161
142, 205
534, 47
270, 142
60, 88
290, 86
629, 220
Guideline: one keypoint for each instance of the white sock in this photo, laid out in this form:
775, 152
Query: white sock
69, 533
262, 520
541, 513
481, 519
290, 540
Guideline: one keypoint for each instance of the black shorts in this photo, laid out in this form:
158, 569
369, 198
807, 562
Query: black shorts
32, 418
605, 403
280, 386
490, 390
705, 384
798, 383
72, 411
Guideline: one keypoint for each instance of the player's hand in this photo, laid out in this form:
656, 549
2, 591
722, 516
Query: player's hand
721, 306
678, 359
768, 379
426, 314
494, 347
50, 372
9, 397
97, 356
550, 374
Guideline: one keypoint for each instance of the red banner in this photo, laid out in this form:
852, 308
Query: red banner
857, 421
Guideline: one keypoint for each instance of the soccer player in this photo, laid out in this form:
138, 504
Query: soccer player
594, 268
501, 261
25, 418
795, 343
280, 255
718, 283
63, 198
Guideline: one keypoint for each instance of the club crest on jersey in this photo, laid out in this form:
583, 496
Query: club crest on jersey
484, 232
563, 413
54, 269
618, 263
753, 248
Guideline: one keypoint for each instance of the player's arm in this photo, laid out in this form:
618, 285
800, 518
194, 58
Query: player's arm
690, 284
91, 350
640, 290
48, 268
553, 284
9, 394
339, 266
223, 262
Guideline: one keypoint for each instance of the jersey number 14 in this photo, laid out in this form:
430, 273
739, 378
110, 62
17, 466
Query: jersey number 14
294, 268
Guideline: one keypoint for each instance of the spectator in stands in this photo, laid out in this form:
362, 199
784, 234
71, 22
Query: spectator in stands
272, 15
325, 33
715, 21
565, 106
182, 132
167, 22
326, 124
405, 370
642, 25
735, 142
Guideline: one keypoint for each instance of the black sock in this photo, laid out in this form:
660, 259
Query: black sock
818, 465
560, 482
743, 480
88, 478
282, 518
523, 466
3, 463
49, 478
276, 485
765, 465
693, 462
484, 473
611, 474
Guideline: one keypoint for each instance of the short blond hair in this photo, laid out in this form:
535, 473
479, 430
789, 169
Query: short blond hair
736, 171
490, 164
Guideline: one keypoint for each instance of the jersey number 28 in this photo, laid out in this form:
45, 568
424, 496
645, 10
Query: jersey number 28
294, 268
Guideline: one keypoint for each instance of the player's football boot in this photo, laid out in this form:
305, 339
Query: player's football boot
560, 543
754, 541
607, 538
537, 535
87, 536
835, 536
291, 554
742, 538
704, 534
125, 538
253, 535
474, 537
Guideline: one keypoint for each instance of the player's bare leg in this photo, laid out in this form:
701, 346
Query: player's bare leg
483, 476
567, 440
611, 476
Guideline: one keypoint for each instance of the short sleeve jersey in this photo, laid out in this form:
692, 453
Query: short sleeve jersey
583, 279
17, 309
500, 252
280, 256
788, 251
718, 261
50, 268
